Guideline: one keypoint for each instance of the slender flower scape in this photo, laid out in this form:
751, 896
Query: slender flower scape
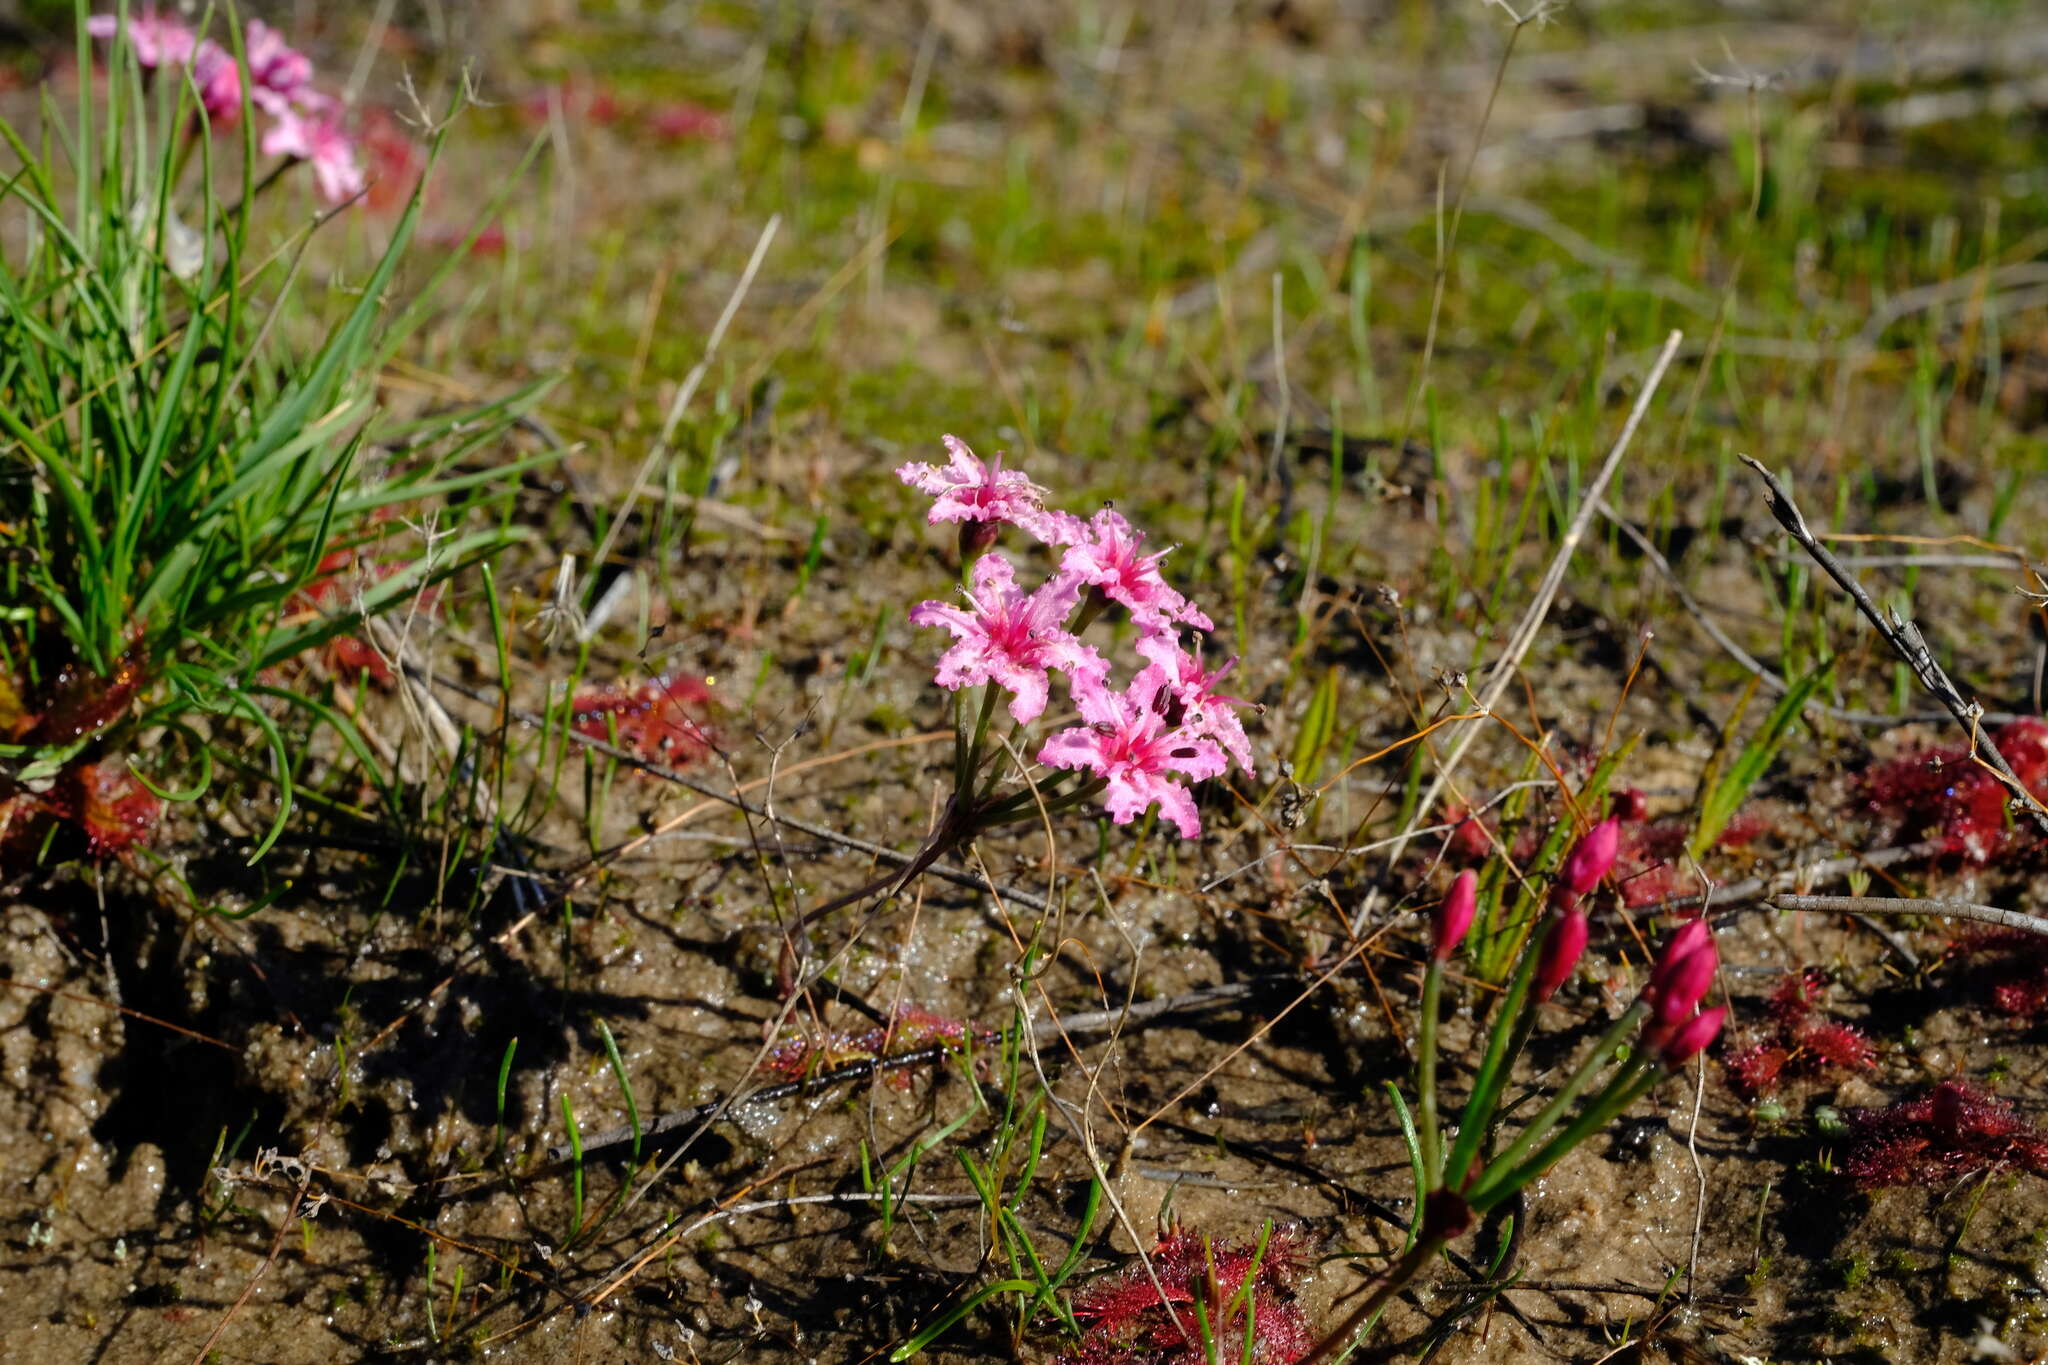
1138, 746
1013, 638
1454, 916
308, 125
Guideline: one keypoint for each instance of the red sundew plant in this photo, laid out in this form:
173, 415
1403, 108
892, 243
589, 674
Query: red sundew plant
1246, 1296
1799, 1041
1949, 1133
1945, 792
912, 1029
109, 805
2016, 974
662, 721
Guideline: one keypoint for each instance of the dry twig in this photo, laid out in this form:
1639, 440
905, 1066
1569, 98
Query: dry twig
1906, 641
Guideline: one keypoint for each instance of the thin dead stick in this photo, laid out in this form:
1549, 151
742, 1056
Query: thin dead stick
121, 1010
284, 1224
1906, 641
1763, 674
1532, 621
1899, 905
682, 401
1198, 1001
1755, 889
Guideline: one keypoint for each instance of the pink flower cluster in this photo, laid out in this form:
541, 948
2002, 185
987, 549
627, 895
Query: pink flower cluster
305, 124
1166, 723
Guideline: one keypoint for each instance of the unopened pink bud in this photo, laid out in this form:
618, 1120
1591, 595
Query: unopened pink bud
1692, 1037
1454, 916
1561, 952
1686, 985
1683, 973
1589, 859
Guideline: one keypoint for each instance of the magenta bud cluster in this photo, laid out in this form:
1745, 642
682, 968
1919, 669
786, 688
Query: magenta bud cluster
1678, 984
1454, 917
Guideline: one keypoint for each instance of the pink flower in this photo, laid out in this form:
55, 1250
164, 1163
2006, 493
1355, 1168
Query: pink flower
1128, 742
1589, 859
282, 76
1012, 638
318, 137
1109, 560
219, 81
1194, 701
157, 42
1692, 1037
1562, 948
968, 490
1454, 917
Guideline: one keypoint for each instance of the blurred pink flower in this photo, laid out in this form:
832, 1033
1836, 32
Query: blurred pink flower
219, 81
1011, 638
319, 138
681, 121
1109, 560
968, 490
1192, 696
1128, 742
157, 42
282, 76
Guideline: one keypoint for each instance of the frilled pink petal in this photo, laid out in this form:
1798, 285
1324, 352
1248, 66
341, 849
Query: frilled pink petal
1200, 759
1078, 747
1026, 685
1084, 667
1127, 797
1056, 528
968, 490
942, 614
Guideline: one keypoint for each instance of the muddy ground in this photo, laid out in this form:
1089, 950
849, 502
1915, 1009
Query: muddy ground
281, 1137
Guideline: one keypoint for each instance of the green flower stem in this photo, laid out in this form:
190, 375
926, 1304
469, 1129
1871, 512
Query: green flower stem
1511, 1028
1429, 1135
988, 709
1540, 1126
1630, 1084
